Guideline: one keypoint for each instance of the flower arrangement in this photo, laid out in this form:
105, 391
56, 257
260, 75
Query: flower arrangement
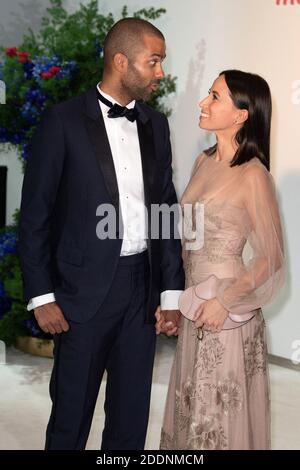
63, 60
14, 318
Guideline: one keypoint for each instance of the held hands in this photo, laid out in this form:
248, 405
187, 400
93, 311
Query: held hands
50, 318
211, 315
167, 321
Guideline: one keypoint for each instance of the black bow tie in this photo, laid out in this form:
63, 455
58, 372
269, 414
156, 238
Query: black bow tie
118, 111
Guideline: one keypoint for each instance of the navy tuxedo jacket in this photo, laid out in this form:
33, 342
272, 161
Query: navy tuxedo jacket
70, 172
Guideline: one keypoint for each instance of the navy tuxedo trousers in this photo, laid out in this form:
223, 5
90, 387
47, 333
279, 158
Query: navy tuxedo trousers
117, 340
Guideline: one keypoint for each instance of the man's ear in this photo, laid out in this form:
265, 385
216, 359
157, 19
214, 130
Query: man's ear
120, 62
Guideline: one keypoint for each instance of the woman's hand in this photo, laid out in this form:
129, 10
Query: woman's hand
211, 315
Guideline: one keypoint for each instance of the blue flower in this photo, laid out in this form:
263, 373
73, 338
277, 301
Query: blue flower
36, 96
28, 68
24, 153
1, 70
30, 112
8, 244
3, 135
43, 64
67, 69
15, 139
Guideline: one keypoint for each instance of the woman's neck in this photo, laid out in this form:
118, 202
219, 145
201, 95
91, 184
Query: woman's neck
226, 149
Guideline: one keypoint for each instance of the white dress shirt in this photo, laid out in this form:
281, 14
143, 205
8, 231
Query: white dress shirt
125, 148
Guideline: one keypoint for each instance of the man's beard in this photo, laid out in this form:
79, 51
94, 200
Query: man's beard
132, 86
137, 92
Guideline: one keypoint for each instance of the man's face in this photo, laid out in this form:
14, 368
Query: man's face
144, 70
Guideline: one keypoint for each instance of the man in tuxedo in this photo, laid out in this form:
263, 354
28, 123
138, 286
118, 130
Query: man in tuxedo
97, 295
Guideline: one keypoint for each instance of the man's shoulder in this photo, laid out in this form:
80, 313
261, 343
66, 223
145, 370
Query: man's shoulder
70, 105
152, 113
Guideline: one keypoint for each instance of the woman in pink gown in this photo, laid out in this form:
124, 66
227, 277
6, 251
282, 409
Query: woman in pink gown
218, 395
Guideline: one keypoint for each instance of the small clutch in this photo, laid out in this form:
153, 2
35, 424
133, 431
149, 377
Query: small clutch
191, 299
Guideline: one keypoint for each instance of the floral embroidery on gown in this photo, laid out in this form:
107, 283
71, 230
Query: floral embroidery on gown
218, 396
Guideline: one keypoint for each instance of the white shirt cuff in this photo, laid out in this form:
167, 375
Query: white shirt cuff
40, 300
169, 299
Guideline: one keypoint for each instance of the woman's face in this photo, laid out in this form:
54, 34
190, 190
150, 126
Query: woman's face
218, 112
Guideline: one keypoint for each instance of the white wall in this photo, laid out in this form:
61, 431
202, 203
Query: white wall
204, 37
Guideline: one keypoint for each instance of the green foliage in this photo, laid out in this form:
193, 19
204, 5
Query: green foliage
13, 324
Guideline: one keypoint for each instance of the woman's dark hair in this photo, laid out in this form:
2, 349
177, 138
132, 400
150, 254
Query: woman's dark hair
251, 92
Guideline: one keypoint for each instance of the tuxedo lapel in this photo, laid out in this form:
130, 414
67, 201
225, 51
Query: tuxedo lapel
98, 137
145, 133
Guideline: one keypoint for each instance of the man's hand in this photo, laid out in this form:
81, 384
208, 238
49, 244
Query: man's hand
50, 318
167, 321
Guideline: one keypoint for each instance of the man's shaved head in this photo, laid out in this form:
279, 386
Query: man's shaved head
126, 37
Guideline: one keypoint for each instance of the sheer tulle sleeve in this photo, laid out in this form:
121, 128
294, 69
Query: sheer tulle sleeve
260, 280
183, 239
